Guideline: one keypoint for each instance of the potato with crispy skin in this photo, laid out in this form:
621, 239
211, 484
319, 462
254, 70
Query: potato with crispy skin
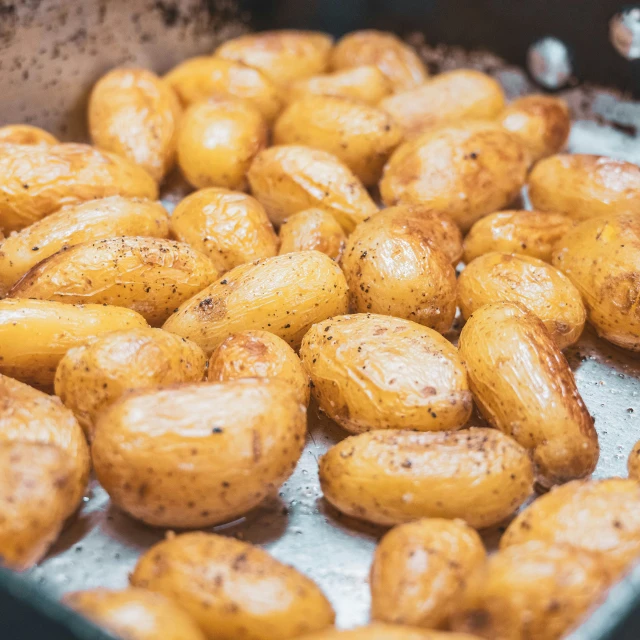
380, 631
633, 463
26, 134
312, 230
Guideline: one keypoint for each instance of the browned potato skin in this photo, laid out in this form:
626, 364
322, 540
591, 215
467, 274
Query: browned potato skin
59, 175
152, 276
26, 134
633, 463
94, 375
92, 220
380, 631
358, 134
287, 179
420, 569
530, 233
532, 591
522, 385
467, 171
391, 477
397, 60
585, 186
218, 580
377, 372
312, 230
284, 295
601, 256
259, 354
545, 291
230, 227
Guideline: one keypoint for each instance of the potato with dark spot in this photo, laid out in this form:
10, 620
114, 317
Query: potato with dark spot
380, 631
26, 134
312, 230
633, 463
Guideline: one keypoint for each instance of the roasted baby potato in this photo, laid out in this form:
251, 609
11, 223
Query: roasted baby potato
230, 227
26, 134
390, 477
233, 589
95, 374
152, 276
92, 220
38, 180
258, 354
358, 134
420, 569
585, 186
35, 334
398, 61
467, 171
290, 178
380, 631
217, 141
504, 277
633, 463
530, 233
313, 230
522, 385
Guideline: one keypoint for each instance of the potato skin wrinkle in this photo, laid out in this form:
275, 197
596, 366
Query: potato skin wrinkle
312, 230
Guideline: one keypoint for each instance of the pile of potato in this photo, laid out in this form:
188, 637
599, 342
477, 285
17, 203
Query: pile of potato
182, 350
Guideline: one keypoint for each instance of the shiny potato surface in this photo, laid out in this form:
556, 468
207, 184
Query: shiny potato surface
392, 477
420, 569
312, 230
233, 589
26, 134
228, 226
545, 291
380, 631
287, 179
633, 463
95, 374
522, 385
378, 372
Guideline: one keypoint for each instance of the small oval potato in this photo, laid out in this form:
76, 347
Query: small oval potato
585, 186
93, 375
466, 171
233, 589
450, 96
397, 60
26, 134
258, 354
288, 179
633, 463
597, 515
380, 631
545, 291
312, 230
218, 140
230, 227
601, 256
530, 233
92, 220
420, 569
522, 385
152, 276
38, 180
358, 134
393, 267
532, 591
284, 295
35, 334
391, 477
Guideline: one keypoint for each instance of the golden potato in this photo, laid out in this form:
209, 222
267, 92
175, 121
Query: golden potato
152, 276
258, 354
466, 171
379, 631
601, 256
26, 134
233, 589
93, 375
283, 56
420, 569
313, 230
288, 179
391, 477
38, 180
92, 220
545, 291
284, 295
633, 463
532, 591
398, 61
358, 134
393, 267
584, 186
230, 227
217, 141
530, 233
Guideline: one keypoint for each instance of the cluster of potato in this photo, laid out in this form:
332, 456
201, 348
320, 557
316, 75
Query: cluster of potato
170, 341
